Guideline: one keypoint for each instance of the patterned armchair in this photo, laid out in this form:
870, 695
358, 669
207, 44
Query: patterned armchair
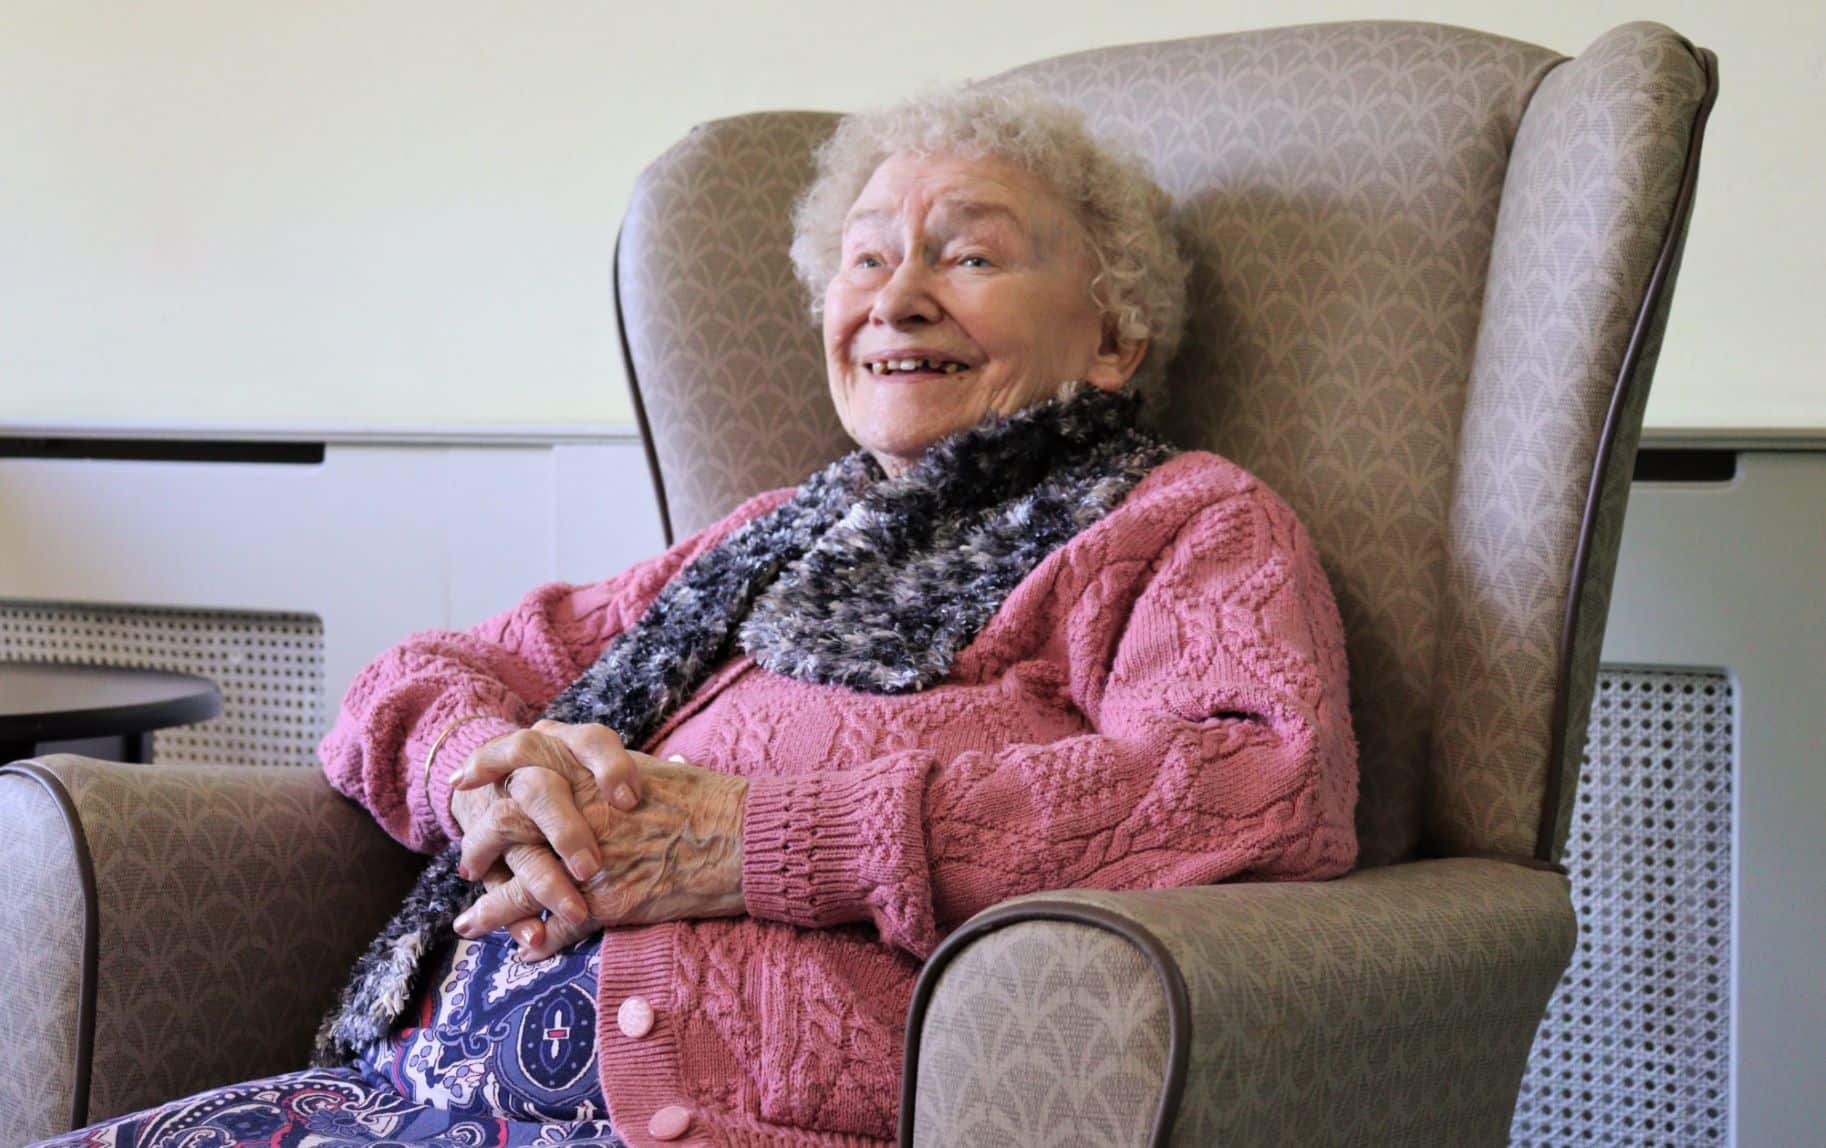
1432, 270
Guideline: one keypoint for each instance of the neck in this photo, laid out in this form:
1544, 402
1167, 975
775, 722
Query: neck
892, 464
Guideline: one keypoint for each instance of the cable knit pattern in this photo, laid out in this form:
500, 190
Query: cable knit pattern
1161, 701
505, 671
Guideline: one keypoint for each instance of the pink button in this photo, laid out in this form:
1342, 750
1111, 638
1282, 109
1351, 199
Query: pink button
669, 1123
635, 1016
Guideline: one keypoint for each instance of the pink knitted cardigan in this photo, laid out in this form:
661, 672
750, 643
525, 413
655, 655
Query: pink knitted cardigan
1162, 701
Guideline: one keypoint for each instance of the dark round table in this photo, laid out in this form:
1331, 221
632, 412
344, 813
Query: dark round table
45, 701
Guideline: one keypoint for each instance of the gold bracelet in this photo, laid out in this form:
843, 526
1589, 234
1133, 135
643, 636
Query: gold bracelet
431, 755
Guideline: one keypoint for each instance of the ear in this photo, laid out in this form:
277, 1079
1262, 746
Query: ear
1115, 362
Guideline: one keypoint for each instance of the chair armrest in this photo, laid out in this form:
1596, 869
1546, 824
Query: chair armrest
172, 927
1395, 1006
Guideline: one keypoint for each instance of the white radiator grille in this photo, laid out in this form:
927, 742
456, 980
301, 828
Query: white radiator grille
1635, 1049
268, 667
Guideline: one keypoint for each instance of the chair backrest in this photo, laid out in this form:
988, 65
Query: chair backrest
1431, 271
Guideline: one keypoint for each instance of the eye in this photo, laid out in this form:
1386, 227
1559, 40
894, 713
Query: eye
974, 261
868, 262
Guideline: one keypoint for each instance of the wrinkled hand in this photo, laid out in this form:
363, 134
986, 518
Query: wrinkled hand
675, 853
529, 789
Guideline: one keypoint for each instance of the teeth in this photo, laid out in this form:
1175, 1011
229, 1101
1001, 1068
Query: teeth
889, 366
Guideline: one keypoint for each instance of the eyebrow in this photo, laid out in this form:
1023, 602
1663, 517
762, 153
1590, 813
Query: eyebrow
966, 209
972, 209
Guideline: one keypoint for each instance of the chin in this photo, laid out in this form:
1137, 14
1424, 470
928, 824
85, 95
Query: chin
903, 438
908, 448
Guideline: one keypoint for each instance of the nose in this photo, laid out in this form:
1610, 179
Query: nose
906, 298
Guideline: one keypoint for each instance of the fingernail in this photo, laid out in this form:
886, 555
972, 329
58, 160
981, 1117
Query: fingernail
583, 864
575, 911
624, 797
523, 934
464, 924
463, 871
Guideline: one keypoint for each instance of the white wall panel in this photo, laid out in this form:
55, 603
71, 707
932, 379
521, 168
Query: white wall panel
341, 214
377, 541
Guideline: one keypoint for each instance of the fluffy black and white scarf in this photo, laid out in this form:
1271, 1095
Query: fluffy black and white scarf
857, 580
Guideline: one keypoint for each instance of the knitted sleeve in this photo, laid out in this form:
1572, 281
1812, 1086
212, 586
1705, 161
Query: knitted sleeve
500, 674
1219, 746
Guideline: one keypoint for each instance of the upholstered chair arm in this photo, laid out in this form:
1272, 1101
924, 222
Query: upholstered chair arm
167, 928
1396, 1006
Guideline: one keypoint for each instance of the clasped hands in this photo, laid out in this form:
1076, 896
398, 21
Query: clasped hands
564, 818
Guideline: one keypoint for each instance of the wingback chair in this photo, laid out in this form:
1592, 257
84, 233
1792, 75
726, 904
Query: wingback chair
1431, 272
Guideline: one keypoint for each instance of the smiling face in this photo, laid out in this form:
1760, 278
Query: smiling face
964, 291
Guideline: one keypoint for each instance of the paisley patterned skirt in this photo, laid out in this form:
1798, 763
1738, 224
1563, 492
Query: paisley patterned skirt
496, 1054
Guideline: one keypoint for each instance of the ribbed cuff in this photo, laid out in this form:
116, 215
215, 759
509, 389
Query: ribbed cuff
822, 849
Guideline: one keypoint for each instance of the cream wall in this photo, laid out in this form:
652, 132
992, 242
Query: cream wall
389, 215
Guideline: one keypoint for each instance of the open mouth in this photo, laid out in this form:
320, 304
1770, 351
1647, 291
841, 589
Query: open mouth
915, 368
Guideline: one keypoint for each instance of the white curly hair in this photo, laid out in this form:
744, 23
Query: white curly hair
1140, 281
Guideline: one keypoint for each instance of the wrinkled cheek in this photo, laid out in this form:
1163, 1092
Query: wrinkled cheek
842, 317
843, 402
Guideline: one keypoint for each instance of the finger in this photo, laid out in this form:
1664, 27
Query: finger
529, 931
539, 882
515, 906
510, 904
546, 798
540, 871
468, 775
554, 937
500, 827
494, 760
498, 875
599, 750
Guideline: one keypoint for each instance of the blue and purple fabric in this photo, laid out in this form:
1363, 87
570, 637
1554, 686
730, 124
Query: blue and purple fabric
500, 1055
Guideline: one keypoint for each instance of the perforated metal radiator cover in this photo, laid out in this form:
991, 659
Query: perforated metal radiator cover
268, 667
1635, 1048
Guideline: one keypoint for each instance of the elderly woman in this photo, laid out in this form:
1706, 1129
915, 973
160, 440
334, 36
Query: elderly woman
726, 802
